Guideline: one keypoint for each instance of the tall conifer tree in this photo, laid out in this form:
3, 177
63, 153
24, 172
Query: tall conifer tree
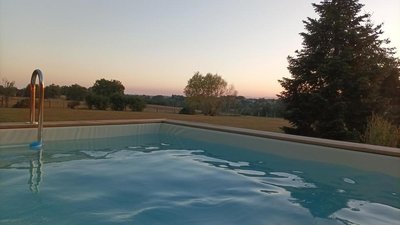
338, 77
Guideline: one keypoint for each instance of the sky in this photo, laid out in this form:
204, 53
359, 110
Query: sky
155, 46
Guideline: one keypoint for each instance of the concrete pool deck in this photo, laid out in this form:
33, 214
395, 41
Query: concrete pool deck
381, 150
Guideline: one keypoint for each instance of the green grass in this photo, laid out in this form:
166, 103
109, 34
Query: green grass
64, 114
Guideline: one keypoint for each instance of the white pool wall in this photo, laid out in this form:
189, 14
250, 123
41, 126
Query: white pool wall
300, 151
28, 135
272, 143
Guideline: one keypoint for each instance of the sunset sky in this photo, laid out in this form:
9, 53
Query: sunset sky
155, 46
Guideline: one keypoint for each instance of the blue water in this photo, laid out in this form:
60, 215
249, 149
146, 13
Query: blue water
161, 179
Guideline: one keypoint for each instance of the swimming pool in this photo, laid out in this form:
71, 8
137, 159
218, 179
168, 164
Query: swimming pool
172, 174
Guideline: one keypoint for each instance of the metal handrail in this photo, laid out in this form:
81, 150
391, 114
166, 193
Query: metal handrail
37, 74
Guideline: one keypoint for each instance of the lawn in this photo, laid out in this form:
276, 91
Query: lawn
66, 114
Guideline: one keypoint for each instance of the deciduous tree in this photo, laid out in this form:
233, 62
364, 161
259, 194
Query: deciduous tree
118, 102
135, 103
108, 87
205, 92
8, 90
75, 92
52, 91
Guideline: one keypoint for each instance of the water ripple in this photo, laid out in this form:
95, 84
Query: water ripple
367, 213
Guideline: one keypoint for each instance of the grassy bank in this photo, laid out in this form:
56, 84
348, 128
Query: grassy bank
65, 114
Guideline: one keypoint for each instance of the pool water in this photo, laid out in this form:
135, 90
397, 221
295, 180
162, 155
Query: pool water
165, 179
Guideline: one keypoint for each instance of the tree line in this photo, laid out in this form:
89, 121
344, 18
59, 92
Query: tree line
102, 95
109, 94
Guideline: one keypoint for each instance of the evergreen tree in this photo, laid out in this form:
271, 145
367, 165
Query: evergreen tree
338, 76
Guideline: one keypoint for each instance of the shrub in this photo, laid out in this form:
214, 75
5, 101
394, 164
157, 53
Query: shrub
381, 132
97, 101
89, 99
23, 103
135, 103
187, 110
73, 104
118, 102
101, 102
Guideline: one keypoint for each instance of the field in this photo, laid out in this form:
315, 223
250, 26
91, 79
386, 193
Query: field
153, 112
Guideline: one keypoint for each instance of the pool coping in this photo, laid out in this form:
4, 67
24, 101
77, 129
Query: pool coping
375, 149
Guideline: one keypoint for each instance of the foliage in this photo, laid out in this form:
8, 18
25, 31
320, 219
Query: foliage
177, 101
26, 92
118, 102
89, 99
135, 103
158, 100
381, 132
337, 78
239, 105
97, 101
73, 104
21, 93
205, 92
105, 92
8, 90
75, 92
23, 103
187, 110
107, 87
390, 89
174, 100
52, 91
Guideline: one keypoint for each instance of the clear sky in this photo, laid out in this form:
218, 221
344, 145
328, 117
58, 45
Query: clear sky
155, 46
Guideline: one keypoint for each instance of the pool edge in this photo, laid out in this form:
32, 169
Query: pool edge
359, 147
351, 146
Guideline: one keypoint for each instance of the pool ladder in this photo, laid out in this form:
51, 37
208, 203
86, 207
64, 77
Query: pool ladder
37, 74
